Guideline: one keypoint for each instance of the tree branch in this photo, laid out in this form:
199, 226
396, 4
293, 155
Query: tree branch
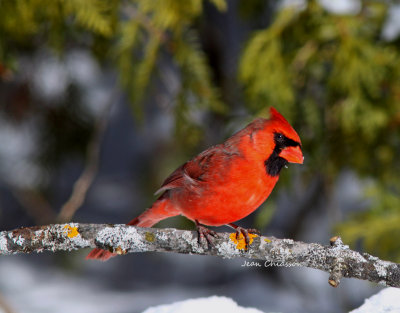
337, 259
4, 306
85, 180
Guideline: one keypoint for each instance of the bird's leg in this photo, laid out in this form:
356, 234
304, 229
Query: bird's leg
245, 232
205, 233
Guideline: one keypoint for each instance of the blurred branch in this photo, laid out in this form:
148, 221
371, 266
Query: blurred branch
4, 306
146, 22
337, 259
84, 182
35, 204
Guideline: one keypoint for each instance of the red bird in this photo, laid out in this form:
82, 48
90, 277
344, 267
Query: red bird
226, 182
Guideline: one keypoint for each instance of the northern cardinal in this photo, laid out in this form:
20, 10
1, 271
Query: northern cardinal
226, 182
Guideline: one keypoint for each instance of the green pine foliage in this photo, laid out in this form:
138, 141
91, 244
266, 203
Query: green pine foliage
377, 230
152, 30
263, 70
339, 81
133, 35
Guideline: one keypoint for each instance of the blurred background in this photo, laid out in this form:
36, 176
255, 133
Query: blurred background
101, 100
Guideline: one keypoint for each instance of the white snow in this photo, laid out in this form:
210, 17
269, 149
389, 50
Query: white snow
387, 300
110, 235
351, 7
32, 288
50, 78
341, 6
3, 243
391, 29
212, 304
18, 148
29, 288
82, 68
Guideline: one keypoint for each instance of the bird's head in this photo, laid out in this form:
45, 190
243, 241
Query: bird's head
287, 141
277, 142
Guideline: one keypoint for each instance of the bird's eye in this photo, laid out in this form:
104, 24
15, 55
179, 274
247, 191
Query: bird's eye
280, 139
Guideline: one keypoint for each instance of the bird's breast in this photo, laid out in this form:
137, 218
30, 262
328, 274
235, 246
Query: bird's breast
227, 197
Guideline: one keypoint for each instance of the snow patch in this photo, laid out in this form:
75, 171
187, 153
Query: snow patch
126, 238
344, 7
227, 250
381, 269
391, 29
3, 243
77, 240
20, 240
192, 241
371, 257
212, 304
50, 78
162, 236
387, 300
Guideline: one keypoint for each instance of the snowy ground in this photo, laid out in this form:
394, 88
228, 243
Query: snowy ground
385, 301
210, 305
29, 287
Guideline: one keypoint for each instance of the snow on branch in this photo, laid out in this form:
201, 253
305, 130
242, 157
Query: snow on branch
337, 259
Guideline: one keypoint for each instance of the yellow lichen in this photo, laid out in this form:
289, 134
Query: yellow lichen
267, 240
149, 236
241, 243
119, 251
71, 231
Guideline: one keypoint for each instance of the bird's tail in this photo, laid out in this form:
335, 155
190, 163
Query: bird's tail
161, 209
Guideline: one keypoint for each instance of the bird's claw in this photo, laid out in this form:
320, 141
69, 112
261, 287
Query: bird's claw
205, 235
245, 232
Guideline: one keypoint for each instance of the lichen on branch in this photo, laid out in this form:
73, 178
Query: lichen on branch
337, 259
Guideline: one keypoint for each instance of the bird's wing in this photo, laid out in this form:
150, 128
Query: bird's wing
172, 181
197, 169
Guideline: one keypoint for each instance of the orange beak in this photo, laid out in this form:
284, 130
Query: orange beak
292, 154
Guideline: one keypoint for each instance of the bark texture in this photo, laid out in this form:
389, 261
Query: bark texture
336, 259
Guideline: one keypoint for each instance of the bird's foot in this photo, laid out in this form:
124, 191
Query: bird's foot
245, 232
205, 235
